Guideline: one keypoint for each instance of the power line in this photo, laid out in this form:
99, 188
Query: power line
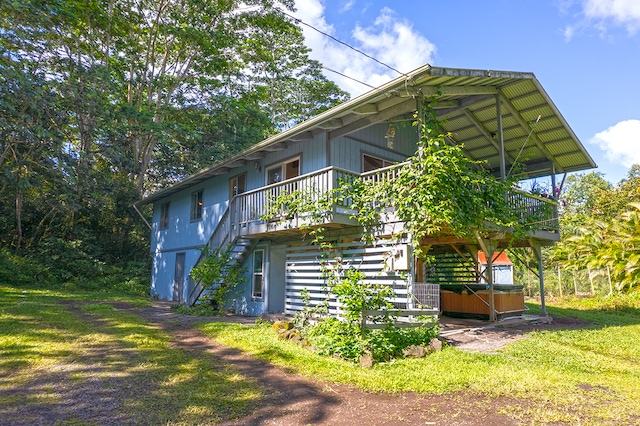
346, 76
300, 21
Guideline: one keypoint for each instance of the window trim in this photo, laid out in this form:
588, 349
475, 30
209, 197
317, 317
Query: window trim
385, 162
164, 215
197, 204
281, 165
262, 274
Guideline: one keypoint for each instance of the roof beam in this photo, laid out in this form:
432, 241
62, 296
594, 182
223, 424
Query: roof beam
278, 146
488, 136
304, 136
255, 155
387, 114
331, 124
527, 128
458, 90
366, 109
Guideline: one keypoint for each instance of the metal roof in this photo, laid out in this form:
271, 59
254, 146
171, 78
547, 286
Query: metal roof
535, 134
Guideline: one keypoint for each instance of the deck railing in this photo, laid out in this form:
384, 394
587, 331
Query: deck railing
260, 205
533, 210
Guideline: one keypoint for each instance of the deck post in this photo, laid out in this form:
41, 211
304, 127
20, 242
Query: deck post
489, 247
537, 251
503, 172
554, 195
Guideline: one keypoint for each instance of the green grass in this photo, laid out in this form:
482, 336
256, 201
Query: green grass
573, 376
112, 354
576, 376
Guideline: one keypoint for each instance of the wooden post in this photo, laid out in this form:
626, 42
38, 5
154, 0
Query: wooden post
503, 171
593, 290
537, 251
559, 281
609, 278
489, 247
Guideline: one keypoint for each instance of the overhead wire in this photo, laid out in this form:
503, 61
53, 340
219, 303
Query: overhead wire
300, 21
346, 76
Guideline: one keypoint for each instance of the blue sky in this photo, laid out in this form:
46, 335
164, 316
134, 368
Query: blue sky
585, 53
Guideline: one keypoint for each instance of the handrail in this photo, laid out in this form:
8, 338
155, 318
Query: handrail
297, 179
219, 230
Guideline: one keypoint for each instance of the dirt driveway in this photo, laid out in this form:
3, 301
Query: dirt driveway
292, 399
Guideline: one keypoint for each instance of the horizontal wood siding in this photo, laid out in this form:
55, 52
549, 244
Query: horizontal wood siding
304, 271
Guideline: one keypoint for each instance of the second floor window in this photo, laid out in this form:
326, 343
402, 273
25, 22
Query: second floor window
164, 216
196, 205
369, 163
283, 171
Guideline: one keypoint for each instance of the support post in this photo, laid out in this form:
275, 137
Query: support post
489, 247
537, 251
554, 195
503, 172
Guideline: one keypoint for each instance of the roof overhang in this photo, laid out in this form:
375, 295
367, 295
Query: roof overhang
535, 135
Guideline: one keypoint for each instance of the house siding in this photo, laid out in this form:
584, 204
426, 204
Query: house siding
184, 235
346, 152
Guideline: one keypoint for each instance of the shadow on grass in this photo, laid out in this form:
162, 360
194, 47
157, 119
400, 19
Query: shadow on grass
71, 362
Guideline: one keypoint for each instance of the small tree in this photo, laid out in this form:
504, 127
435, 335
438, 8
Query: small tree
219, 273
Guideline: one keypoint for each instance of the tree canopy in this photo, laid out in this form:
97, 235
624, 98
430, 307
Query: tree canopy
104, 101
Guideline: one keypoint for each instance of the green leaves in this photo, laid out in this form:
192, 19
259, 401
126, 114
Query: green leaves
438, 190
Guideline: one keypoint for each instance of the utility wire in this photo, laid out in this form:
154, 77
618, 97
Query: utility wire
300, 21
346, 76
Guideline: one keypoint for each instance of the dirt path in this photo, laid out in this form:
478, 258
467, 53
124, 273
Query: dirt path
298, 400
289, 399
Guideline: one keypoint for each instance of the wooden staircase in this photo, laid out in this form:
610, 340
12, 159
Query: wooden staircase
225, 235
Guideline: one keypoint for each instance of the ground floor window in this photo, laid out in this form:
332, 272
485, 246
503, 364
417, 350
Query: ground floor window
257, 289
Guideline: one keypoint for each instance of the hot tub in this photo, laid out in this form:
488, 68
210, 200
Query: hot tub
472, 300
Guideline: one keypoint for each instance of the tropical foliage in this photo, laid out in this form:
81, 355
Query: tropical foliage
601, 225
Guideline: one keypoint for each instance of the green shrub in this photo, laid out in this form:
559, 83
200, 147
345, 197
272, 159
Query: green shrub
333, 337
24, 271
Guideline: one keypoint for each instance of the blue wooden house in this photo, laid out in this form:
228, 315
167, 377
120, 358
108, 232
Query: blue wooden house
500, 117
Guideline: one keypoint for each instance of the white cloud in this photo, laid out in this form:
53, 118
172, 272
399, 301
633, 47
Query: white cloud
347, 6
621, 12
620, 142
390, 39
603, 15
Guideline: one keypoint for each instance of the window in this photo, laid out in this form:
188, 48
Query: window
164, 216
283, 171
369, 163
258, 274
196, 205
237, 185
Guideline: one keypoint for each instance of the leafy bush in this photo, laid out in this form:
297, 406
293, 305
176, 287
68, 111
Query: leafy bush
219, 273
34, 272
24, 271
333, 337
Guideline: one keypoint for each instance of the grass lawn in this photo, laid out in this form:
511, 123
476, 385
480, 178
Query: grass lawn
581, 376
121, 368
